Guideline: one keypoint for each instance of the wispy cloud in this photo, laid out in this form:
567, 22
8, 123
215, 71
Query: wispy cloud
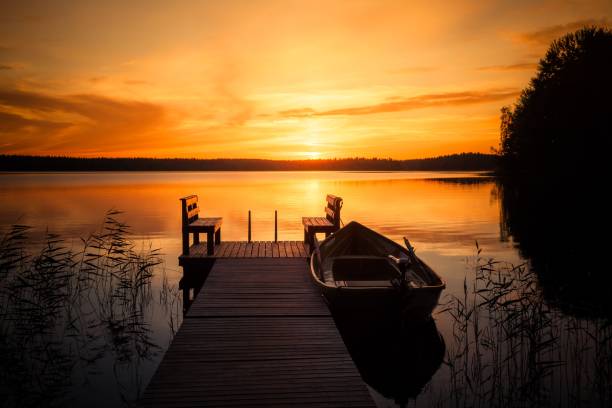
136, 82
546, 35
417, 102
4, 67
10, 122
89, 123
97, 79
412, 70
299, 112
526, 66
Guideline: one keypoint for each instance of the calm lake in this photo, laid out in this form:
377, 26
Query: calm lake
444, 214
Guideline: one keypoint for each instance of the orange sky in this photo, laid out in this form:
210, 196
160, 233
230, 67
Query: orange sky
269, 79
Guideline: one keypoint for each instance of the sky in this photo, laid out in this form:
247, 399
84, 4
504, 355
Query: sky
270, 79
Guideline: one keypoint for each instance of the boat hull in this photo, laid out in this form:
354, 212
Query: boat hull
415, 304
408, 303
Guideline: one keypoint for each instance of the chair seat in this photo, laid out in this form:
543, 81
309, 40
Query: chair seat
206, 224
317, 224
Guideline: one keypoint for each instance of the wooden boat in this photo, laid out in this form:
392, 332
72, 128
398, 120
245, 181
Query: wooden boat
359, 270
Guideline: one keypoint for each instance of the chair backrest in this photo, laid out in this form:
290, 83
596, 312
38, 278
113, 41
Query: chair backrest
332, 210
189, 210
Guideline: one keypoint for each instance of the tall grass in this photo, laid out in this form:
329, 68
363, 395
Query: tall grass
510, 348
64, 310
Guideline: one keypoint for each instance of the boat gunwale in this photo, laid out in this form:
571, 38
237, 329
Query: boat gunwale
440, 286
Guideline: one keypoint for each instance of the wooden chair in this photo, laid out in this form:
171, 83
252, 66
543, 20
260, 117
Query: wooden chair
328, 224
192, 223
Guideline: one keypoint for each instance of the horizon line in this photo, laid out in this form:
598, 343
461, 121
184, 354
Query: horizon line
237, 158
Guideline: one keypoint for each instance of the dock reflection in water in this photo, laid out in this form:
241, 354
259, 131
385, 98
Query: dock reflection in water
395, 359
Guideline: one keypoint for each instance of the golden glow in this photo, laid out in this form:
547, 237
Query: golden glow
441, 218
269, 79
433, 212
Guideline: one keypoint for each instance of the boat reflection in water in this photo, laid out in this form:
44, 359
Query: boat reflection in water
394, 359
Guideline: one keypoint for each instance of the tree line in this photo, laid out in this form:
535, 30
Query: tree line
560, 126
454, 162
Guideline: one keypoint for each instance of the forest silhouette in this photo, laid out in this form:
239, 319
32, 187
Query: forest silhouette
554, 146
463, 161
560, 126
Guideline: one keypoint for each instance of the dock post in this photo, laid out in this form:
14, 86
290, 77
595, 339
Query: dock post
249, 226
275, 226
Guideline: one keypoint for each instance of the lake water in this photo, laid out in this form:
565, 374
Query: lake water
443, 214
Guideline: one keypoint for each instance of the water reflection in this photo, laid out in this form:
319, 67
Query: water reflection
442, 218
193, 280
70, 317
562, 231
397, 361
71, 204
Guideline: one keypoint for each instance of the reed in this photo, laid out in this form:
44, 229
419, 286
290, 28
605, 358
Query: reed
63, 311
510, 348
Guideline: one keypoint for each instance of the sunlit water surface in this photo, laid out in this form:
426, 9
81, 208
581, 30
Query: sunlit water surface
443, 214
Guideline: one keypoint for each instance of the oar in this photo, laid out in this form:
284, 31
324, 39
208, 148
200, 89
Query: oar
413, 258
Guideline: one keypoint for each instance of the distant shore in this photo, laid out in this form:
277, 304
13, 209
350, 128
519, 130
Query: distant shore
454, 162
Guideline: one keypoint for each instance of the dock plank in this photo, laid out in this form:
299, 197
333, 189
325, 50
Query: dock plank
271, 283
248, 250
258, 334
221, 249
242, 249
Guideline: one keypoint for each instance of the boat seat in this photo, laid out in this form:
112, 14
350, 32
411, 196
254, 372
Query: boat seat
363, 268
328, 278
364, 284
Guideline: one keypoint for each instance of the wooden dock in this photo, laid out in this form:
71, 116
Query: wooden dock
257, 334
242, 249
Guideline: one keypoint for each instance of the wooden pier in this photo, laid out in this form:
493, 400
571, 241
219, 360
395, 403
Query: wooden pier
241, 249
258, 333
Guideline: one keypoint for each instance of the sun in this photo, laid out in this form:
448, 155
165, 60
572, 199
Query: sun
312, 155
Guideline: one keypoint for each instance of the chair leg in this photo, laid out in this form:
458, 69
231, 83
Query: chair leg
185, 242
210, 243
218, 236
305, 236
186, 302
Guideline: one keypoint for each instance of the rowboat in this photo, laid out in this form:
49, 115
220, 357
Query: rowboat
360, 270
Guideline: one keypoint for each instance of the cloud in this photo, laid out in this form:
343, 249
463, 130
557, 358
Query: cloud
412, 70
526, 66
136, 82
298, 112
10, 122
546, 35
4, 67
92, 124
232, 108
405, 104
